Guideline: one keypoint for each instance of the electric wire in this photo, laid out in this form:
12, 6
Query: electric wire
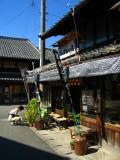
59, 1
16, 17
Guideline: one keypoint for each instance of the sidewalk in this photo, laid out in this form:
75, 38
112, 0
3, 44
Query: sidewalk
59, 140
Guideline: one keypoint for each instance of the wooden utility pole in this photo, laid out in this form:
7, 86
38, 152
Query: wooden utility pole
41, 41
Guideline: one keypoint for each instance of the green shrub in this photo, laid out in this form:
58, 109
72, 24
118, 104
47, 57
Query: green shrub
31, 111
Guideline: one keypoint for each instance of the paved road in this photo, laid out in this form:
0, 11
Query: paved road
20, 143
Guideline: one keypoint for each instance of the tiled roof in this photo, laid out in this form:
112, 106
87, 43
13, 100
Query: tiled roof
18, 48
83, 11
105, 66
110, 49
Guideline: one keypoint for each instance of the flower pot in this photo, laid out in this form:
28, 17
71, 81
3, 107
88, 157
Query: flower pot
34, 125
30, 124
39, 125
80, 146
72, 147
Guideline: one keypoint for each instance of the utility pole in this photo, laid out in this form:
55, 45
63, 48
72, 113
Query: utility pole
41, 41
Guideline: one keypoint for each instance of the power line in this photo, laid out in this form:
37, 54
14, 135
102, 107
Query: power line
16, 17
33, 3
54, 15
59, 1
19, 14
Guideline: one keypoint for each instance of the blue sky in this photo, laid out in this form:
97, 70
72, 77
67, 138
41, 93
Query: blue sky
21, 18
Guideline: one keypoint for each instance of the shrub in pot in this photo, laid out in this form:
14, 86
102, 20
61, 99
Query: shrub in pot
39, 124
39, 121
31, 110
80, 142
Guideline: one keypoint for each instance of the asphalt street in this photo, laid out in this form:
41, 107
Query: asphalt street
21, 143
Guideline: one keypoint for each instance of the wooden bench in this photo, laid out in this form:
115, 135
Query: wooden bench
58, 117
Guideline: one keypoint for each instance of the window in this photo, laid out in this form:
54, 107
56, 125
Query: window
87, 38
82, 39
114, 26
88, 102
67, 50
89, 93
89, 41
112, 99
101, 34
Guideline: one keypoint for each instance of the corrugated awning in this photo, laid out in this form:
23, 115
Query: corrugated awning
87, 69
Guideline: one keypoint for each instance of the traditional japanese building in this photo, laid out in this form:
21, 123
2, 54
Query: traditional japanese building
91, 48
15, 54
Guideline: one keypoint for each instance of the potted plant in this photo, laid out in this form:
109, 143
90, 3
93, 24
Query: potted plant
72, 144
39, 121
31, 110
80, 142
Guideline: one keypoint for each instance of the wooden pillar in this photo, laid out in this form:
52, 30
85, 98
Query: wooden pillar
99, 109
102, 105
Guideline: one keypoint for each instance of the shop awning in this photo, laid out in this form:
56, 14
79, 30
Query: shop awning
88, 69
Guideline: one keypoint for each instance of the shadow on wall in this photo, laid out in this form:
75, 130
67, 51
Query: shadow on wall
17, 151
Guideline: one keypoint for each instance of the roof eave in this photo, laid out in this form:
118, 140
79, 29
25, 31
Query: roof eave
57, 28
51, 32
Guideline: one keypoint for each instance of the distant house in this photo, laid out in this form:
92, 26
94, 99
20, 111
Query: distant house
15, 54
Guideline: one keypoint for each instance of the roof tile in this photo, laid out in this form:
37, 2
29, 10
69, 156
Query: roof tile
18, 48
